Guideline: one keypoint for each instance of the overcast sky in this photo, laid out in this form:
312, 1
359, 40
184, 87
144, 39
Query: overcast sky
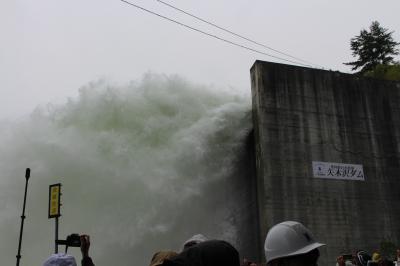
50, 48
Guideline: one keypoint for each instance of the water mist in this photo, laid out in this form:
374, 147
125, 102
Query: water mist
143, 167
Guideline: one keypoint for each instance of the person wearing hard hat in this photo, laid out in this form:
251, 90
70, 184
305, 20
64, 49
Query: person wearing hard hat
291, 244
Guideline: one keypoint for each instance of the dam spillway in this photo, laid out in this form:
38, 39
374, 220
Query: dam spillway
303, 117
166, 159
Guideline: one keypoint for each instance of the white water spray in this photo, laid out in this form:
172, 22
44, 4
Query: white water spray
143, 167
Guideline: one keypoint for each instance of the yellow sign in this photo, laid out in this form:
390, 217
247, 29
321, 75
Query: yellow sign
54, 200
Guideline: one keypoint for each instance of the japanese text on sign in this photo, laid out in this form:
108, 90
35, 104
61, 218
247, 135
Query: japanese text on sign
338, 171
54, 200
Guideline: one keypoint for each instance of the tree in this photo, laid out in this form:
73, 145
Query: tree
374, 47
387, 72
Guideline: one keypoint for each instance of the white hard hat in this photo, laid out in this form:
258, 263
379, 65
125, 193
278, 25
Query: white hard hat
60, 260
288, 239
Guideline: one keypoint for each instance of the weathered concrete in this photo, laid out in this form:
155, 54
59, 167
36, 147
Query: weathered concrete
302, 115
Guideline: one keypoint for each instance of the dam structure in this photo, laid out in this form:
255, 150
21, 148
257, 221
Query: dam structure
327, 154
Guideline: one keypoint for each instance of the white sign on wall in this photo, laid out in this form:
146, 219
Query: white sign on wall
338, 171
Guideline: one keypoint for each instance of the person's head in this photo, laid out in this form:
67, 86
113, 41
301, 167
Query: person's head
207, 253
376, 257
60, 260
361, 258
159, 257
291, 243
194, 240
307, 259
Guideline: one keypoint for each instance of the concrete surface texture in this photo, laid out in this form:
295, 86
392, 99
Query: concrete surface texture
303, 115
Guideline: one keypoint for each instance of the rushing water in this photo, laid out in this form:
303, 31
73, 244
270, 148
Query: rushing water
143, 167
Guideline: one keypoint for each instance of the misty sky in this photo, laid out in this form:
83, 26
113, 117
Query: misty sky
50, 48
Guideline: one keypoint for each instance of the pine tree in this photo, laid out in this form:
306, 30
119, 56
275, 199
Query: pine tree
374, 47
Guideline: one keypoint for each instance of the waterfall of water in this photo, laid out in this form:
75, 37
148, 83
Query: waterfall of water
143, 166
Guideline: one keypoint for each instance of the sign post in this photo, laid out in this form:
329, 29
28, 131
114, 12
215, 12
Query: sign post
27, 175
54, 208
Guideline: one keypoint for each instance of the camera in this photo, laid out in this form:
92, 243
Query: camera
73, 240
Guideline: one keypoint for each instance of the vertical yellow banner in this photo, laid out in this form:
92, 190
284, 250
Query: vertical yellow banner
54, 200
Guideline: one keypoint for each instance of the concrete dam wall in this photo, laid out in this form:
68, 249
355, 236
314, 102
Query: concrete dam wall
307, 119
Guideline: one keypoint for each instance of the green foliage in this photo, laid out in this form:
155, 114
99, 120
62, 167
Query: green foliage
388, 72
374, 47
388, 249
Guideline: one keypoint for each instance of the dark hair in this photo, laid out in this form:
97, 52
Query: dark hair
207, 253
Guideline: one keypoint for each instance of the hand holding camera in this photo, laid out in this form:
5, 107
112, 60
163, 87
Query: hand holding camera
73, 240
